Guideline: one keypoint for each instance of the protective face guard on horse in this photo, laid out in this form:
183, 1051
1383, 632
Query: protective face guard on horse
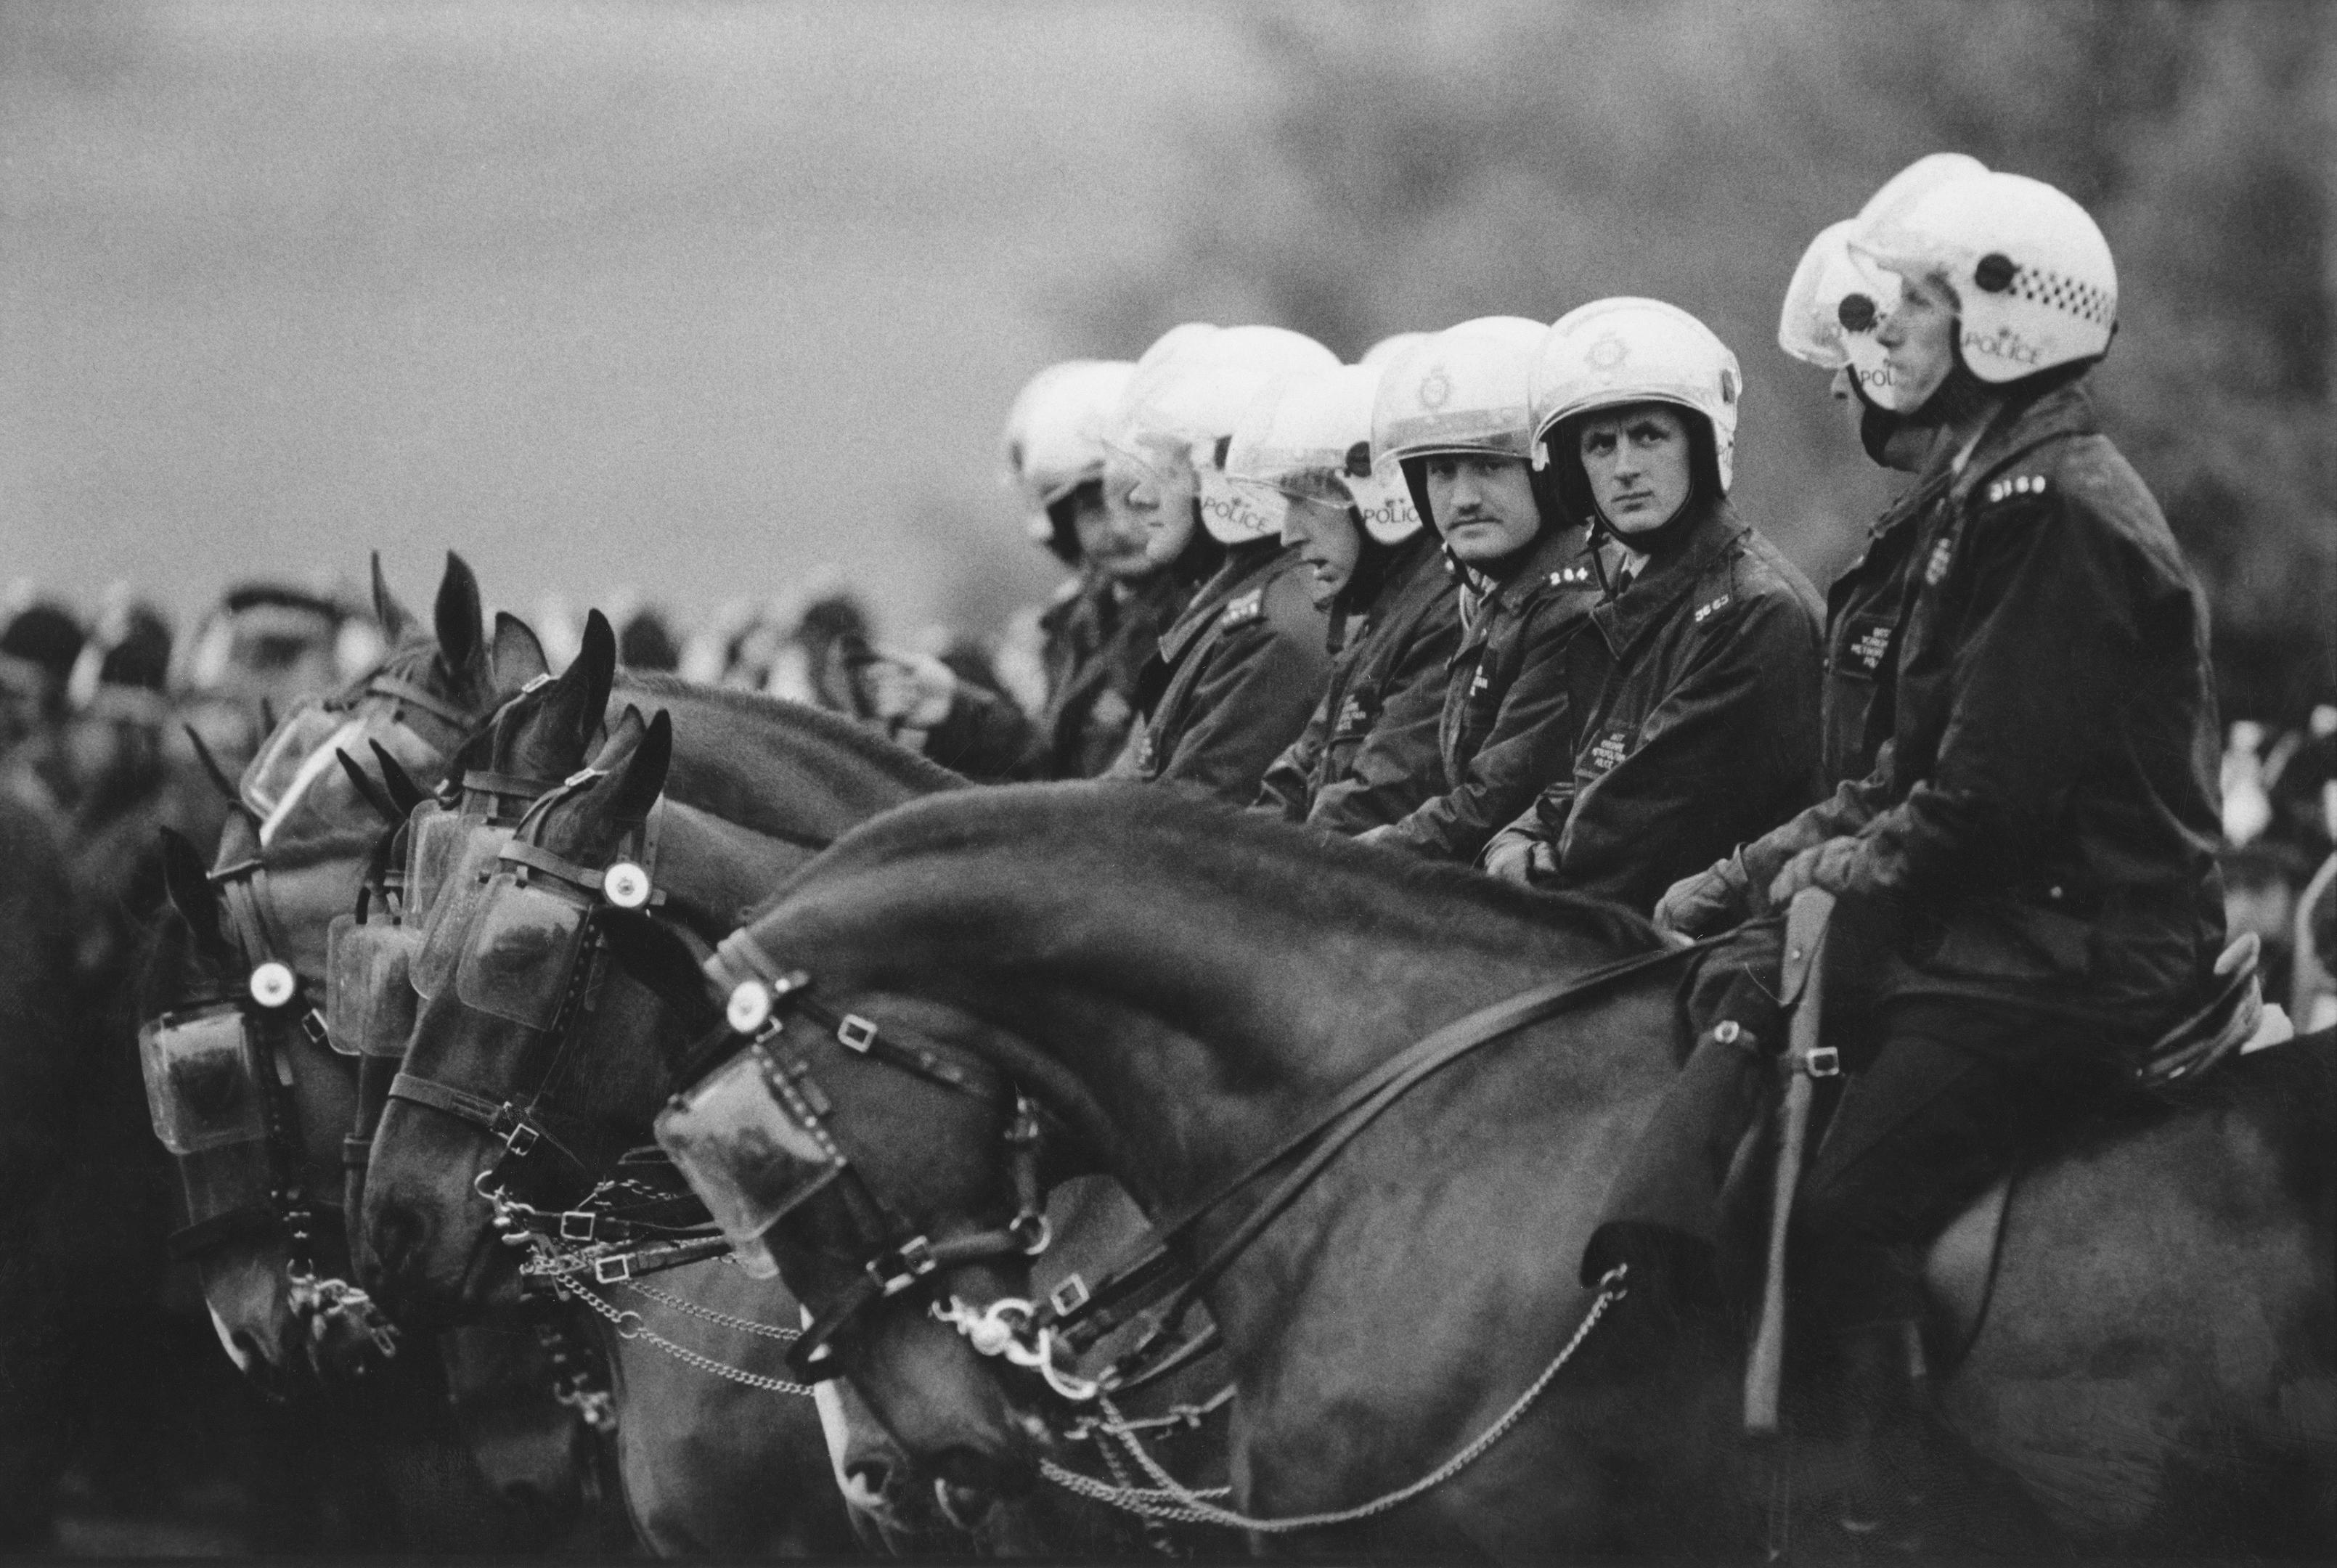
757, 1139
203, 1087
510, 926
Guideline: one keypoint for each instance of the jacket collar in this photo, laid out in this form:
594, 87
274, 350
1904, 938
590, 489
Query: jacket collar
1556, 550
1241, 572
1626, 617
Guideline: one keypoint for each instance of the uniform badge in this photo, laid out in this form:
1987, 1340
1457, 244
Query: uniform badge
1865, 644
1611, 748
1243, 608
2018, 484
1482, 682
1354, 717
1705, 611
1569, 576
1937, 566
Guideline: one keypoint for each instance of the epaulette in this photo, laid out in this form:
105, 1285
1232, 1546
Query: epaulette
2015, 484
1243, 608
1569, 576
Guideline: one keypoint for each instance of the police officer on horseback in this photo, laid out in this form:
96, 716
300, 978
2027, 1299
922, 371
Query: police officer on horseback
1453, 414
2028, 867
1368, 754
1234, 677
1695, 692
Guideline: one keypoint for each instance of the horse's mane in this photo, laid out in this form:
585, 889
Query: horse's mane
846, 734
1304, 876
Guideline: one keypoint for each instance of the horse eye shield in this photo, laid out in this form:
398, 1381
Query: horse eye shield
202, 1069
750, 1150
369, 998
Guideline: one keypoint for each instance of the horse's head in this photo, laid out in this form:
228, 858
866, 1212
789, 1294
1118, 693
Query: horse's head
525, 1077
860, 1145
238, 994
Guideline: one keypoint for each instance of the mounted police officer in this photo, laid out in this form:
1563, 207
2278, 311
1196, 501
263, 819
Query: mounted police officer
1452, 415
1368, 755
1236, 676
1095, 634
2031, 860
1694, 693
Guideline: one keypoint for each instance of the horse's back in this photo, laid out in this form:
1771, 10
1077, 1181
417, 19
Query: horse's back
2156, 1359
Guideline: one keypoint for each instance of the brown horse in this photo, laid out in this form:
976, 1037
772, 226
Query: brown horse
1183, 987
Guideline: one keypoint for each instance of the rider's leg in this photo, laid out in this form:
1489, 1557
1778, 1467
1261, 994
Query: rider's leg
1952, 1098
1662, 1210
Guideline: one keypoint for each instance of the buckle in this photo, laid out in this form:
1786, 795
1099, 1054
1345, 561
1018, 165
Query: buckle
858, 1033
520, 1141
312, 1024
613, 1270
915, 1257
1823, 1061
1069, 1296
578, 1224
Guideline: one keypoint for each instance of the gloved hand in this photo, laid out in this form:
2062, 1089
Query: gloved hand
1709, 902
1521, 860
908, 691
1829, 865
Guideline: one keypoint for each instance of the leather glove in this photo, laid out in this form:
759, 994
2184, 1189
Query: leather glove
1521, 860
1829, 865
1709, 902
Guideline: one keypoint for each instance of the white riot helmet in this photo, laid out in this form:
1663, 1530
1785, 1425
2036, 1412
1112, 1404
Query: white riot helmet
1177, 413
1054, 438
1393, 347
1460, 390
2034, 281
1612, 353
1838, 298
1308, 437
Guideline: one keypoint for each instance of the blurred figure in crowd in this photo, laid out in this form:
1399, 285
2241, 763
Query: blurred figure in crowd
39, 649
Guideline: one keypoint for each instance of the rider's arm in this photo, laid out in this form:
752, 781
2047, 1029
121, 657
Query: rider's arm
1397, 764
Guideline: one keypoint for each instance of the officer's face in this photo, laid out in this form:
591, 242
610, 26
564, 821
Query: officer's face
1918, 339
1328, 542
1484, 505
1637, 460
1156, 498
1111, 538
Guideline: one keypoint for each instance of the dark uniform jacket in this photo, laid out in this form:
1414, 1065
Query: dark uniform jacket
2039, 829
1862, 629
1233, 680
1096, 643
1504, 731
1695, 703
1369, 755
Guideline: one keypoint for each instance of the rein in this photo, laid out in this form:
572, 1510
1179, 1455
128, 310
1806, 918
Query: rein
763, 993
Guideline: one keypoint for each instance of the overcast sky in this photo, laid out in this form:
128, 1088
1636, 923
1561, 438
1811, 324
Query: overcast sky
687, 297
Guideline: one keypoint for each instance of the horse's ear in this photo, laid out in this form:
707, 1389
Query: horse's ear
460, 619
396, 620
516, 656
596, 657
665, 960
404, 794
190, 890
639, 787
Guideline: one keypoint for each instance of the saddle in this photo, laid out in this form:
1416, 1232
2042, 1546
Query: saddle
2233, 1018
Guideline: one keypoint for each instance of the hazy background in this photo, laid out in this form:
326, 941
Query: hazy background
694, 297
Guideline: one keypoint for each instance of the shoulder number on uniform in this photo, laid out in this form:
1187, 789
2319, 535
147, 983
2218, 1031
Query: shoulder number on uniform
1243, 608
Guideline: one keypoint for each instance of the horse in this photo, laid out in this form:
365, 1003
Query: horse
596, 1083
36, 1085
1185, 988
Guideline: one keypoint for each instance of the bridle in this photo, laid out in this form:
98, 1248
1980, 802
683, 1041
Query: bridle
277, 997
891, 1254
764, 994
516, 1117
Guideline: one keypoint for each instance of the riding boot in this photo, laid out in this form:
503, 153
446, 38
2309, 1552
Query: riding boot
1883, 1422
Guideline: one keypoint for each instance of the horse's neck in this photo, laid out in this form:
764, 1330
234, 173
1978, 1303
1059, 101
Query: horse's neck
711, 870
1187, 1037
780, 767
